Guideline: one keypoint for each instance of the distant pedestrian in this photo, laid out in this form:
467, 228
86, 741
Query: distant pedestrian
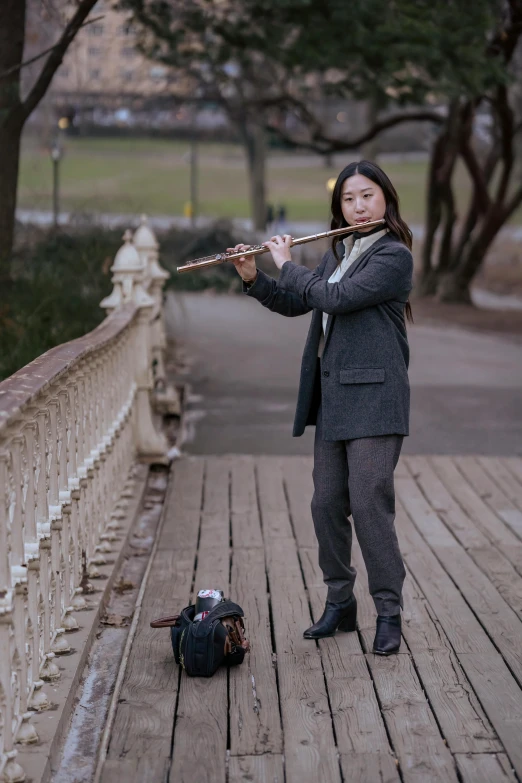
281, 219
269, 217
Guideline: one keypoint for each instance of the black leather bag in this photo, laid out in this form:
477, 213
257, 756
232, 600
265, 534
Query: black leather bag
202, 647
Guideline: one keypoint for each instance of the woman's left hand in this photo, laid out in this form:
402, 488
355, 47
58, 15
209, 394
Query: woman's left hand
279, 246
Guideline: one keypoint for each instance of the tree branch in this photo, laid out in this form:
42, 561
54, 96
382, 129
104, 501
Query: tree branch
42, 54
323, 144
55, 58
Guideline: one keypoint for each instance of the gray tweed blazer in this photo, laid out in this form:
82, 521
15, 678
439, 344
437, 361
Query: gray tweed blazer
364, 367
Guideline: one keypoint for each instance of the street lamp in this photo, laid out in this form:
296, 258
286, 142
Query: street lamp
194, 170
56, 155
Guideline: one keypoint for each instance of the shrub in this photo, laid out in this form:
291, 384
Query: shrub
61, 278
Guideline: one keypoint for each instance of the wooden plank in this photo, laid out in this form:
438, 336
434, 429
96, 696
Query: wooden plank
514, 465
459, 714
498, 618
491, 494
485, 768
504, 480
413, 730
310, 751
149, 692
458, 622
452, 471
246, 527
467, 638
275, 519
297, 476
495, 564
255, 723
289, 600
256, 769
405, 707
359, 726
145, 768
184, 505
502, 701
462, 720
369, 768
200, 735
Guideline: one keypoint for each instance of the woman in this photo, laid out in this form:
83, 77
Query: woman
354, 387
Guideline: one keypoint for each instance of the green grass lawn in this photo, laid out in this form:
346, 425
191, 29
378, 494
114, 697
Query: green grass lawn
152, 176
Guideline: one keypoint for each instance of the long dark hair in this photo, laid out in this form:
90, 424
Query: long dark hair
392, 215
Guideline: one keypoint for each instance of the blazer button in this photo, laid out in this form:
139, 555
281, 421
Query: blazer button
326, 373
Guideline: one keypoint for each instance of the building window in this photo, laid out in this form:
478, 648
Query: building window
126, 29
95, 29
127, 76
157, 73
64, 73
94, 51
128, 52
94, 73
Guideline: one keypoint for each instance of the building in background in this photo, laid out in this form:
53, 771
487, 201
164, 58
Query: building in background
103, 80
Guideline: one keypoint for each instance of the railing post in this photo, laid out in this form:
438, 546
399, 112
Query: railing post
154, 277
166, 397
129, 273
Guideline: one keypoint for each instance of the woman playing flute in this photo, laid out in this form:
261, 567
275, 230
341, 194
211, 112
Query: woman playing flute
354, 388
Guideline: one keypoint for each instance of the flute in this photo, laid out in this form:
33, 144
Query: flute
256, 250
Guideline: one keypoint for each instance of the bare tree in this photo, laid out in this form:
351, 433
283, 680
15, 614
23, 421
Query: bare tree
15, 109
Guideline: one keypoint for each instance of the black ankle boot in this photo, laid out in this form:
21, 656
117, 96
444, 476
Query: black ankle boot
387, 635
336, 617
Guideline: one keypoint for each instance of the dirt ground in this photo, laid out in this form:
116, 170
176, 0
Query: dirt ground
505, 322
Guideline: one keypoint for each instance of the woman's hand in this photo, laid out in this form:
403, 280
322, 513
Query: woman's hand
245, 266
280, 249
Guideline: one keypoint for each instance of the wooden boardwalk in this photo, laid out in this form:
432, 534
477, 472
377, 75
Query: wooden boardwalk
448, 707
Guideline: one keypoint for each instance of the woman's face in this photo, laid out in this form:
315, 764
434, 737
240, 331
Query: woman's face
362, 200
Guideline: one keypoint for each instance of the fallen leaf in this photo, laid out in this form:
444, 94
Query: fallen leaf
122, 586
116, 620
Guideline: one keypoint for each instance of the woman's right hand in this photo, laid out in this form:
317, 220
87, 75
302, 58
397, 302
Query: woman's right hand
246, 265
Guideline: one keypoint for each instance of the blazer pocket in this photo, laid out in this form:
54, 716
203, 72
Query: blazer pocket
362, 375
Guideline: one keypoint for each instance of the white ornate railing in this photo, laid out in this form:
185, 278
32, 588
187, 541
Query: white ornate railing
72, 422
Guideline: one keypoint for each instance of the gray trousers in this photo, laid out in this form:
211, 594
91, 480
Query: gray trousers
356, 477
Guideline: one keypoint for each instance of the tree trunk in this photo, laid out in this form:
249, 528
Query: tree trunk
454, 285
12, 31
9, 162
255, 145
427, 282
440, 202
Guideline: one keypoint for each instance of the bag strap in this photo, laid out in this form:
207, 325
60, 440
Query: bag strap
165, 622
223, 609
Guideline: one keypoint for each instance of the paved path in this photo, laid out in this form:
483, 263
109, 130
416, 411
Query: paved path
447, 708
44, 217
466, 387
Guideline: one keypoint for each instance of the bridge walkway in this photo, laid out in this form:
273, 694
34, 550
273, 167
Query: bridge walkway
448, 707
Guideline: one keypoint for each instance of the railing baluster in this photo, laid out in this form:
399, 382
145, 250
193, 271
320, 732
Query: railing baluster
66, 448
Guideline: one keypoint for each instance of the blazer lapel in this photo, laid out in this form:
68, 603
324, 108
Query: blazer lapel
330, 267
